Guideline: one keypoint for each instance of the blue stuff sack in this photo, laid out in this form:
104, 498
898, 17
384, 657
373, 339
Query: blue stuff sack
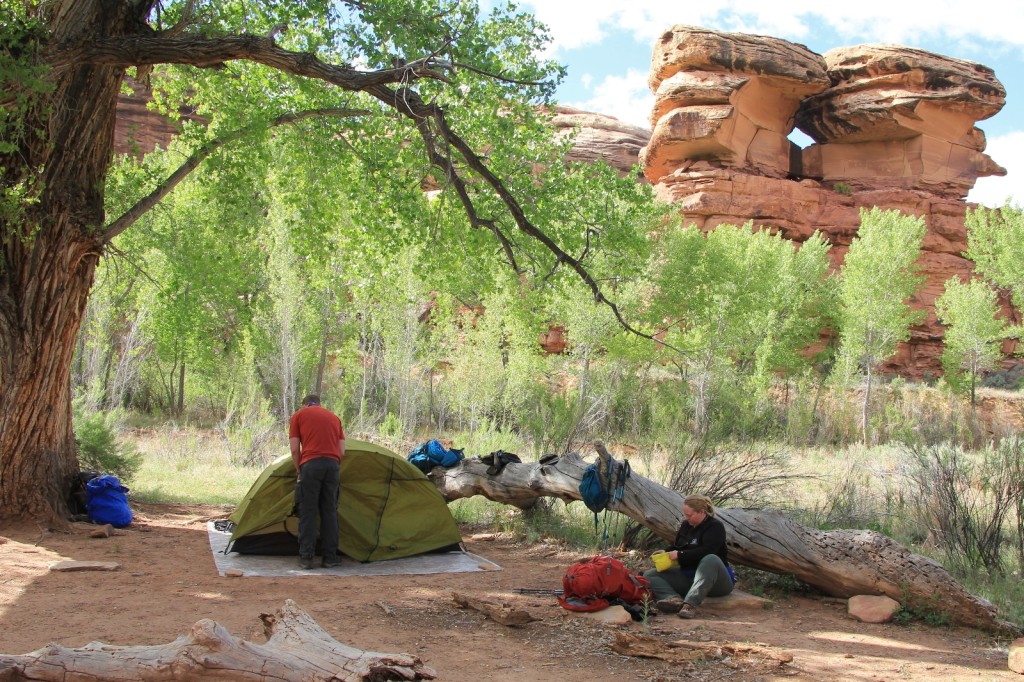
107, 502
432, 454
594, 493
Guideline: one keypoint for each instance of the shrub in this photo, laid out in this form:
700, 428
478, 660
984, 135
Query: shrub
967, 502
729, 474
95, 435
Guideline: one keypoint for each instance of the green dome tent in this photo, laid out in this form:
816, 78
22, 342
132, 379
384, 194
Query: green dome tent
388, 509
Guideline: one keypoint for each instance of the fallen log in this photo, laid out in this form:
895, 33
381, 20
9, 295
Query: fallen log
683, 651
297, 648
839, 563
502, 614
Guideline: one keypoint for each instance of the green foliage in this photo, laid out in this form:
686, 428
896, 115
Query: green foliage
878, 278
24, 84
842, 188
739, 305
971, 344
187, 465
391, 427
995, 242
99, 449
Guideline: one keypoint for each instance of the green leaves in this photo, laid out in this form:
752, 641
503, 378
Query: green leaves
973, 333
995, 241
739, 304
878, 278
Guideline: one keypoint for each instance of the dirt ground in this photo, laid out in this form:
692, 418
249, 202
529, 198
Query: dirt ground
168, 581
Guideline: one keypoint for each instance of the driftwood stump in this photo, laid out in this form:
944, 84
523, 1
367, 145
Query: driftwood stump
840, 563
297, 649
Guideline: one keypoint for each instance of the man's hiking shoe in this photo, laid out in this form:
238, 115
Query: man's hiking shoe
688, 611
305, 564
670, 605
331, 563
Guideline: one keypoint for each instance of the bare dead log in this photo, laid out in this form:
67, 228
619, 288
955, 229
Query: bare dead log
839, 563
297, 648
499, 613
721, 649
642, 646
683, 651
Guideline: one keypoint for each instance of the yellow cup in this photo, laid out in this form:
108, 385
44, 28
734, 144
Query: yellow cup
661, 561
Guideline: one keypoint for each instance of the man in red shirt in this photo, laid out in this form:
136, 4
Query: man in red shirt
317, 442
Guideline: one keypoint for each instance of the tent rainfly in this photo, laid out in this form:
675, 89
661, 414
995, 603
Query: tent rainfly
387, 509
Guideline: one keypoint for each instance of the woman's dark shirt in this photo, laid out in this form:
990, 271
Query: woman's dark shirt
693, 544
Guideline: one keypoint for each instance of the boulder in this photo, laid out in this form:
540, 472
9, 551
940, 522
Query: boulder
1015, 660
736, 600
872, 609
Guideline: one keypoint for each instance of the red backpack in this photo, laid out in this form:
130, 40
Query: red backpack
590, 584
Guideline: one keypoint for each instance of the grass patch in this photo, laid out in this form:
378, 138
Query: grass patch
189, 466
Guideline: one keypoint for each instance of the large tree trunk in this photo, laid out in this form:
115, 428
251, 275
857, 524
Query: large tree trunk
50, 253
840, 563
297, 648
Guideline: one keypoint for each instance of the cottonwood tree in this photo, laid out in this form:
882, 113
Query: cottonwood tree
402, 91
995, 242
878, 278
974, 332
737, 304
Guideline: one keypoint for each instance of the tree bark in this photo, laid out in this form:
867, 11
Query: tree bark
841, 563
50, 252
296, 648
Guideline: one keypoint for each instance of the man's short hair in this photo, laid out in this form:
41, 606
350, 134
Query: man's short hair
311, 399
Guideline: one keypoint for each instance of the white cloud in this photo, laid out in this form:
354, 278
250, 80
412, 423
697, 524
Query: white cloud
627, 98
993, 23
1008, 151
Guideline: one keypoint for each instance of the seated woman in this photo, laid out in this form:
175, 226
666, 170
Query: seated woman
703, 569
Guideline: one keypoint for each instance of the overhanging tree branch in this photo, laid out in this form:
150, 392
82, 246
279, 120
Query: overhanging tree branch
409, 103
138, 50
129, 217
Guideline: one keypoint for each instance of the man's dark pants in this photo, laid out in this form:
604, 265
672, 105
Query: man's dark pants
319, 482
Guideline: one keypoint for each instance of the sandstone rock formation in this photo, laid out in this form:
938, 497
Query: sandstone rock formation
140, 130
901, 117
869, 608
727, 100
893, 126
601, 137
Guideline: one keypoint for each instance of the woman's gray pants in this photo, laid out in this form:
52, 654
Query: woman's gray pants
711, 579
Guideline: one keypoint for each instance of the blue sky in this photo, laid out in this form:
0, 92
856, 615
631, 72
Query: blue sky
606, 45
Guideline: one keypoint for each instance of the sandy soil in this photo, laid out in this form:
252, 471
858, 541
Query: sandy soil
168, 581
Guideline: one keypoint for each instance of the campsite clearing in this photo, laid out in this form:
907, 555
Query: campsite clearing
168, 581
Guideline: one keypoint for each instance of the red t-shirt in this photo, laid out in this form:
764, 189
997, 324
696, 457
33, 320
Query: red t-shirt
319, 430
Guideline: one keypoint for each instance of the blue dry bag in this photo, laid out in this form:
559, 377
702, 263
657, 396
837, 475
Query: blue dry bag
107, 502
432, 454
